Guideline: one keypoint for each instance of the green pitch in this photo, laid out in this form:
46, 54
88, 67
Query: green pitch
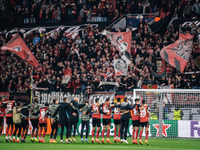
155, 144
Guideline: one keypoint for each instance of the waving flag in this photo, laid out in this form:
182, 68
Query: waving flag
122, 41
178, 53
19, 47
67, 75
158, 68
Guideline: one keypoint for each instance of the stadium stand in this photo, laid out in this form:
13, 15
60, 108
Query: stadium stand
90, 55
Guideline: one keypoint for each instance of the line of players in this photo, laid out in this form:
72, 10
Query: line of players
66, 115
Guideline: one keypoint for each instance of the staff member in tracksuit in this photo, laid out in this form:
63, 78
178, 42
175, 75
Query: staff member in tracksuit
63, 118
73, 112
125, 115
85, 121
25, 124
54, 122
35, 119
17, 121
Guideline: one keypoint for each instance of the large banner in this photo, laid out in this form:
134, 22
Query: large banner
50, 31
178, 53
47, 97
186, 98
102, 97
121, 67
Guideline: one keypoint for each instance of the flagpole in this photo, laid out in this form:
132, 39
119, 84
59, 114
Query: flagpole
31, 97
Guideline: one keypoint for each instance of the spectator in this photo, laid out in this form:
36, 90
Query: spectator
195, 82
78, 85
196, 8
188, 10
165, 112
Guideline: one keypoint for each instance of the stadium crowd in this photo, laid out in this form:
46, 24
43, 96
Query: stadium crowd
56, 11
90, 56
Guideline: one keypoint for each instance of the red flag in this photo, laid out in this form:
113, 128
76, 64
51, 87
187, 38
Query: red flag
19, 47
178, 53
122, 41
67, 75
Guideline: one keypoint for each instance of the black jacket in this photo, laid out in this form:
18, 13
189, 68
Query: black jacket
125, 106
62, 109
74, 108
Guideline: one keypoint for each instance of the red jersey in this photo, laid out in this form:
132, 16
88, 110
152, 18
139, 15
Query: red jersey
143, 114
117, 115
96, 113
135, 115
106, 110
2, 110
9, 108
43, 116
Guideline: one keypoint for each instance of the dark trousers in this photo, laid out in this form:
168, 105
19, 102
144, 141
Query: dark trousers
85, 123
74, 125
62, 130
17, 126
54, 128
124, 127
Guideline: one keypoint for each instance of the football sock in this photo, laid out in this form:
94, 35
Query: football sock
133, 134
136, 136
40, 133
141, 135
102, 134
108, 133
11, 131
36, 134
23, 135
7, 129
147, 133
0, 131
115, 132
93, 133
45, 130
119, 132
97, 136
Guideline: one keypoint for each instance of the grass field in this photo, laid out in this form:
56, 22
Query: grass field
155, 144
